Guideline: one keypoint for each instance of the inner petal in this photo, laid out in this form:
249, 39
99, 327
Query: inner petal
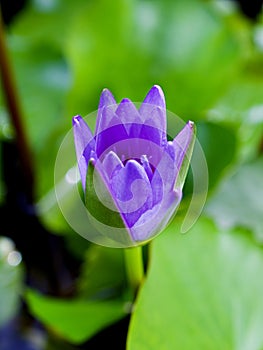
111, 164
147, 166
132, 190
110, 132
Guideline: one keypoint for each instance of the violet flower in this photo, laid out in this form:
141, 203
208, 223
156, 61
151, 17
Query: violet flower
131, 175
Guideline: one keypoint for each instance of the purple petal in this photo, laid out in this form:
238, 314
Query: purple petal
147, 167
111, 164
155, 97
153, 114
106, 118
133, 148
129, 116
157, 187
106, 99
169, 148
166, 169
127, 112
110, 131
84, 145
132, 191
153, 221
164, 177
82, 134
154, 127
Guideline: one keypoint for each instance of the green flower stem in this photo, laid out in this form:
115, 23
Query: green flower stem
134, 267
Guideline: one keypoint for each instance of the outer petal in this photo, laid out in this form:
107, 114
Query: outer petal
153, 109
154, 97
106, 118
132, 191
129, 116
183, 149
106, 99
84, 145
154, 126
153, 221
153, 114
127, 112
82, 134
164, 176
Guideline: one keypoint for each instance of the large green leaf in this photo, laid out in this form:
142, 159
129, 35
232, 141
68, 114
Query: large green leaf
220, 146
241, 108
212, 137
239, 199
74, 320
188, 48
202, 292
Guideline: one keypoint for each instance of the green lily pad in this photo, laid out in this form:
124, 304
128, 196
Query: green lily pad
212, 138
202, 292
239, 199
74, 320
189, 48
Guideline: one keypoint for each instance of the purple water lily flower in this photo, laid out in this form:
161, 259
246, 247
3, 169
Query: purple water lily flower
131, 175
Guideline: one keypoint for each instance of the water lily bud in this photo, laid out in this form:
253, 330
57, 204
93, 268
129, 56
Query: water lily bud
131, 175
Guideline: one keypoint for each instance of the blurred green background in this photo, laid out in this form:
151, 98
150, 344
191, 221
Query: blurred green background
67, 293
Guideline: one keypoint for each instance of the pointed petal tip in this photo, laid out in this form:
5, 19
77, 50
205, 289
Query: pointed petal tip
127, 111
106, 91
157, 88
192, 126
92, 161
127, 103
106, 98
134, 168
155, 96
76, 119
125, 100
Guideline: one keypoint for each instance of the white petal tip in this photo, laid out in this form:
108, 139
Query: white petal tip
76, 119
